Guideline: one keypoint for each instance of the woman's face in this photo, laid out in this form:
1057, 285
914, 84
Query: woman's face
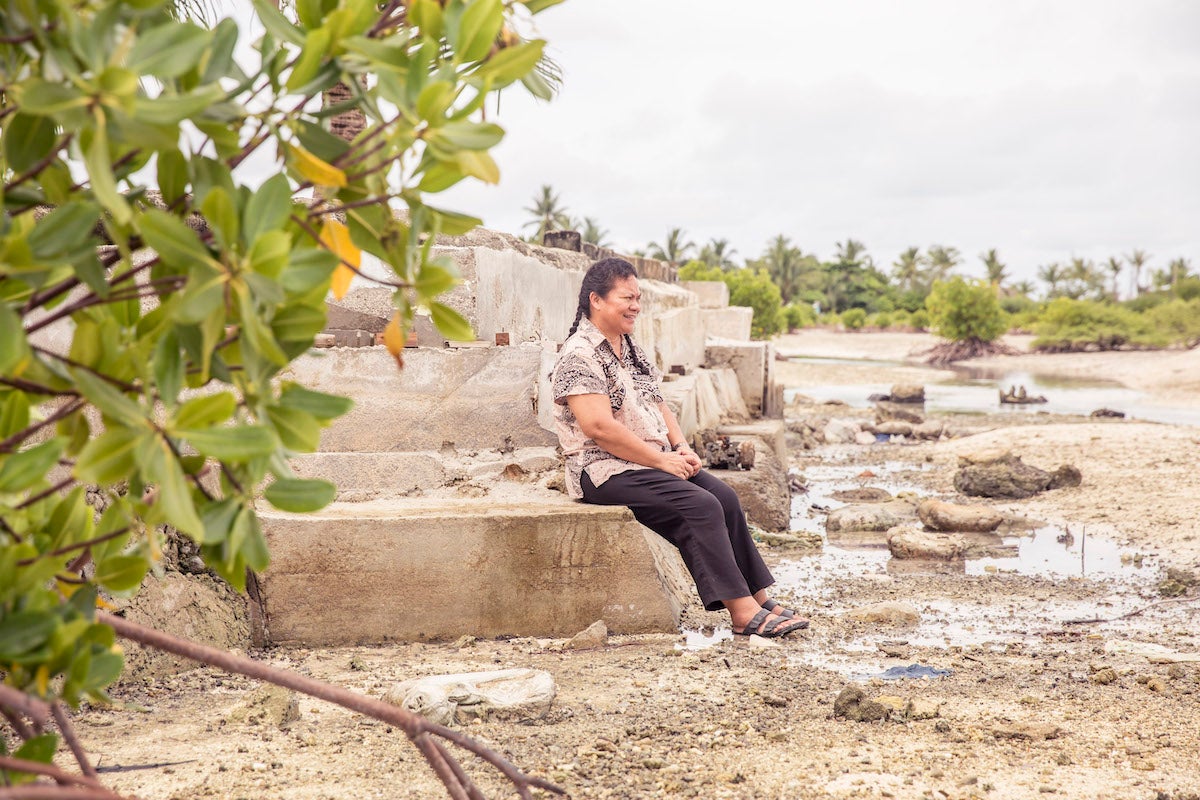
616, 312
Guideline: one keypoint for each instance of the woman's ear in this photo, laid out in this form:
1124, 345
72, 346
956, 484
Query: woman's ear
592, 299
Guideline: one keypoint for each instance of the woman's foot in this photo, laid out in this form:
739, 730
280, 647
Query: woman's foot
766, 623
777, 608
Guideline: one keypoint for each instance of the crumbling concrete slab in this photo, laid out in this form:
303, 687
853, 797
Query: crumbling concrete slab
436, 570
727, 323
482, 398
367, 476
711, 294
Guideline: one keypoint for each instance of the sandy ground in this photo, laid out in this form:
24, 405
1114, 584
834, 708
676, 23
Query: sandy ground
1034, 704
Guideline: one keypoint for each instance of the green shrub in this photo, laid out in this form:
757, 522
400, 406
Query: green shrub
1177, 321
900, 320
1017, 304
854, 318
882, 320
961, 310
696, 270
1072, 325
798, 316
754, 288
919, 319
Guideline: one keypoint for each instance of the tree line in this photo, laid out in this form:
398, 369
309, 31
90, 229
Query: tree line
789, 288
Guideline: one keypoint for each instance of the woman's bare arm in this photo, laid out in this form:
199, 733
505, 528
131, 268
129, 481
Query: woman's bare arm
594, 413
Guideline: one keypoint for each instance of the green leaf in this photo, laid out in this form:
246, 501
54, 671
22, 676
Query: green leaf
298, 430
222, 215
14, 348
173, 504
320, 405
110, 457
452, 324
270, 252
477, 30
276, 23
28, 139
122, 574
300, 496
168, 368
104, 184
511, 64
434, 100
479, 165
268, 208
117, 516
452, 223
44, 98
40, 749
169, 50
316, 48
24, 469
14, 413
440, 176
105, 668
171, 109
427, 16
218, 520
298, 324
109, 399
470, 135
203, 412
246, 540
176, 243
24, 631
434, 279
536, 6
64, 229
234, 445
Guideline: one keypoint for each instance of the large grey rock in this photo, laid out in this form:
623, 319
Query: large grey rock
894, 427
1005, 475
942, 516
886, 613
911, 542
929, 429
870, 516
763, 491
904, 412
841, 431
518, 695
907, 393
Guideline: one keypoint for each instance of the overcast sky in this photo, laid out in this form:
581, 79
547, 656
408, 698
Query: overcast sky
1044, 129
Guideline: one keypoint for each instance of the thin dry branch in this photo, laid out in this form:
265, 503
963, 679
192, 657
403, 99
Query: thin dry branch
47, 792
1134, 613
68, 732
16, 700
50, 771
414, 726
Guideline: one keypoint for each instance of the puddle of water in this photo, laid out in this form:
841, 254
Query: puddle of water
977, 391
1055, 552
703, 639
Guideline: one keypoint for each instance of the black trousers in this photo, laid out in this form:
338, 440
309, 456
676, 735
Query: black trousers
702, 517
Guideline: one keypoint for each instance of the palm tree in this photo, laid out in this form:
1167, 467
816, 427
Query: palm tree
718, 253
1115, 265
993, 267
853, 251
1177, 269
785, 264
1024, 288
591, 232
908, 268
1052, 275
942, 261
1083, 279
674, 250
1137, 260
549, 214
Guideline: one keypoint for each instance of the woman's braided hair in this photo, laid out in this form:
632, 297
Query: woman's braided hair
600, 278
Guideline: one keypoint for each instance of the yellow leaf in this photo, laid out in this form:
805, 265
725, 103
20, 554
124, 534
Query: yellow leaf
67, 589
42, 679
341, 281
336, 238
104, 604
393, 340
478, 164
314, 170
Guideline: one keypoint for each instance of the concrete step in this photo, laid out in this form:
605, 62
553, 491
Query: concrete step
418, 569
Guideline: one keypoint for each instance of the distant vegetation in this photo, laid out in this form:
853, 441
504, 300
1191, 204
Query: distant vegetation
1123, 302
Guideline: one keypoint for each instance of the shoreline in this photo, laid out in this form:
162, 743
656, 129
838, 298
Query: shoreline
1166, 377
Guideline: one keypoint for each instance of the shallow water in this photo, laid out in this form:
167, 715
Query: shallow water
982, 618
976, 390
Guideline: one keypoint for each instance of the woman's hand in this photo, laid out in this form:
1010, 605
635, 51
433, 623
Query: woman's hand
676, 464
692, 459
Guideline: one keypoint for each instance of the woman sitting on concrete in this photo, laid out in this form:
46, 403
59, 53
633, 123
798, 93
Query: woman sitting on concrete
624, 447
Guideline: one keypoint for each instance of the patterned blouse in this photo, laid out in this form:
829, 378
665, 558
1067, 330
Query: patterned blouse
588, 365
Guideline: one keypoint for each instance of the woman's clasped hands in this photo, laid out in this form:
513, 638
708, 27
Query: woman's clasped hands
681, 463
